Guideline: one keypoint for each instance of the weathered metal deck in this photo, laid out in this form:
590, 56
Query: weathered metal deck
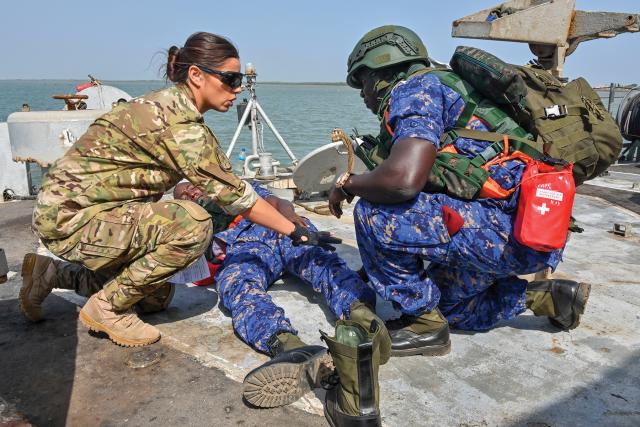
524, 372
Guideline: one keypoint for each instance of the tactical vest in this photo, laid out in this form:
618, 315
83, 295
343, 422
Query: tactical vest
528, 112
452, 173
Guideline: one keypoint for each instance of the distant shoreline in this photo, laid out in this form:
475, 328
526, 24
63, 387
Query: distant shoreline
161, 81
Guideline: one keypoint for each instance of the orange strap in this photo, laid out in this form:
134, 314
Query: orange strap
448, 149
235, 222
491, 189
386, 122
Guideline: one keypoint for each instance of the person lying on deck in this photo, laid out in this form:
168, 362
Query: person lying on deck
252, 259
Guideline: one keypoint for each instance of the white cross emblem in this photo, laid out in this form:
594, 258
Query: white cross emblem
543, 209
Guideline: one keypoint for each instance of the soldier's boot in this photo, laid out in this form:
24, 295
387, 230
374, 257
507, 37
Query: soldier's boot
294, 369
122, 327
562, 301
427, 334
38, 280
363, 314
157, 301
357, 354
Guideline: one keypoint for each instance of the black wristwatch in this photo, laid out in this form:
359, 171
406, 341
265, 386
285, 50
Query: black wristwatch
340, 185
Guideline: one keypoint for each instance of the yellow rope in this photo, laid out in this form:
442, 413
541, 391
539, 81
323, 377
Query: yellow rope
337, 135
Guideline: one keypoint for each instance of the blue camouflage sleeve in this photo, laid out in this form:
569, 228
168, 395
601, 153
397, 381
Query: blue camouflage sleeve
262, 192
424, 108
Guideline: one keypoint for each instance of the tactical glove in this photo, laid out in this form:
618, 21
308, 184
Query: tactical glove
304, 236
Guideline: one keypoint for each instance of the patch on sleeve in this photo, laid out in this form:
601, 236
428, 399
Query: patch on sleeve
223, 160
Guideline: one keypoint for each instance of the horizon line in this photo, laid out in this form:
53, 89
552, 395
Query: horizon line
160, 81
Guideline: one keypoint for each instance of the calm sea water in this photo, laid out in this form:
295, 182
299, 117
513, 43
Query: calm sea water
303, 114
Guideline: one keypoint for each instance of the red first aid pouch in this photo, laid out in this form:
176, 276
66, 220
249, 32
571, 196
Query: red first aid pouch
544, 205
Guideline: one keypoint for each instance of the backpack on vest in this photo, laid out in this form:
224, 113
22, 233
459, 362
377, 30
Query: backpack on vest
568, 119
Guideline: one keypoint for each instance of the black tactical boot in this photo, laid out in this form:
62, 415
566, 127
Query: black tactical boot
563, 301
356, 353
427, 334
295, 369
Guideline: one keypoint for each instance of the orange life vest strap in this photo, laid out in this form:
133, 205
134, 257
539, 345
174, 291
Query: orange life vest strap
386, 122
235, 222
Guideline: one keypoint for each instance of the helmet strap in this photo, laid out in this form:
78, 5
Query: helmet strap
384, 87
415, 67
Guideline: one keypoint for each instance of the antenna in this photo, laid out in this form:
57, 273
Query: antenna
251, 115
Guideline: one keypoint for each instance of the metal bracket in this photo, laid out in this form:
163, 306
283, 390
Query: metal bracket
552, 28
622, 229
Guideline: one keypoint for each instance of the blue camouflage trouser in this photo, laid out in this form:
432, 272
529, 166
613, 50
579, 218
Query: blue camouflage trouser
256, 259
471, 276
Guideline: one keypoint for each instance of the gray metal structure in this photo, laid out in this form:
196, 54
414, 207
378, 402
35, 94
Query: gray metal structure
319, 170
43, 136
102, 97
13, 175
266, 166
552, 28
4, 268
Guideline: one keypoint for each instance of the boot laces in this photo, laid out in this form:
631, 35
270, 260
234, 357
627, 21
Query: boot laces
127, 318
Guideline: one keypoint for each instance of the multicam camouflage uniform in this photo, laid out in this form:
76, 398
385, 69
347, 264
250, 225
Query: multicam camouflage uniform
472, 275
99, 207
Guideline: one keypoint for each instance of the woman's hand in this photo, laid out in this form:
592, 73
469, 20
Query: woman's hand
305, 236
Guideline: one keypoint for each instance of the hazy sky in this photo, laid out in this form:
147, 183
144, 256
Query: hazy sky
287, 40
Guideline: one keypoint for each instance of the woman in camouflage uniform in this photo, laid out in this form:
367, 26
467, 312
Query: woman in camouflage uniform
100, 206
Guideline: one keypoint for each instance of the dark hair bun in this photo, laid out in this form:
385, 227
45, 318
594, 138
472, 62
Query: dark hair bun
203, 48
172, 58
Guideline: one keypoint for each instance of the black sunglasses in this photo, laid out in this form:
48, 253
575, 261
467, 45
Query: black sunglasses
232, 79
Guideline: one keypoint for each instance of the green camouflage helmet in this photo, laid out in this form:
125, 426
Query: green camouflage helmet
382, 47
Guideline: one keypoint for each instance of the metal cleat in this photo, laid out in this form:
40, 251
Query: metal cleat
622, 229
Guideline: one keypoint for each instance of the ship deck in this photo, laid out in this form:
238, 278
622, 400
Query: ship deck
523, 372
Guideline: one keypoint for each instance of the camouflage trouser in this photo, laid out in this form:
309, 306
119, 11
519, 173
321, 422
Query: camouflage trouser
472, 275
135, 248
257, 258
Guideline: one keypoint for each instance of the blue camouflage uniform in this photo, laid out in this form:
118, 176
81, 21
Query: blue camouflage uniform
256, 257
471, 276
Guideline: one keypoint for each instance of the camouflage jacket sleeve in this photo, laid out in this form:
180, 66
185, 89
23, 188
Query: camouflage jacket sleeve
166, 126
193, 150
262, 192
219, 217
422, 107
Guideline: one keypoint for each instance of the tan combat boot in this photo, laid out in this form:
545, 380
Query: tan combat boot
123, 328
38, 279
